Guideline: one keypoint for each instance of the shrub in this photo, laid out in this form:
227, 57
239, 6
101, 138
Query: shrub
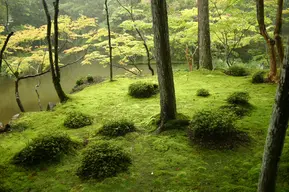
238, 110
239, 98
103, 160
203, 93
181, 119
80, 82
77, 120
117, 128
142, 90
236, 70
44, 149
214, 129
258, 77
89, 79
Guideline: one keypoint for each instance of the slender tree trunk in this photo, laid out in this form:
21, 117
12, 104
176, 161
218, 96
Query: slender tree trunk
276, 133
163, 58
3, 49
205, 56
55, 69
269, 41
17, 96
109, 42
277, 32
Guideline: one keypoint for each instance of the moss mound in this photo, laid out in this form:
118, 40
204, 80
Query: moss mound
215, 129
117, 128
238, 98
237, 71
76, 120
143, 89
44, 149
258, 77
103, 160
180, 120
203, 93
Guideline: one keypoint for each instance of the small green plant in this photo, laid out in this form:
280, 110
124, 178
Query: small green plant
142, 89
203, 93
237, 70
117, 128
44, 149
258, 77
239, 98
80, 81
238, 110
214, 129
77, 120
182, 121
90, 79
103, 160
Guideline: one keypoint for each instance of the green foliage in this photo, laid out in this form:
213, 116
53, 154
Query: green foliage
44, 149
238, 110
77, 120
103, 160
117, 128
213, 129
180, 121
80, 81
258, 77
203, 93
239, 98
89, 79
237, 70
142, 89
176, 124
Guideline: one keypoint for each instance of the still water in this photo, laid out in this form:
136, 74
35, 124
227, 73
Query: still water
69, 75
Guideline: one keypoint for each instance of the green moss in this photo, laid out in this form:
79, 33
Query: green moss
165, 162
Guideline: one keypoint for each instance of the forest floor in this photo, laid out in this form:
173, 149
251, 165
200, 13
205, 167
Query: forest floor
161, 163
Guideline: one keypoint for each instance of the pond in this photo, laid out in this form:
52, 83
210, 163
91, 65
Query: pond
69, 75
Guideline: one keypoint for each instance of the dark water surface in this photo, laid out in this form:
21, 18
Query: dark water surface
69, 75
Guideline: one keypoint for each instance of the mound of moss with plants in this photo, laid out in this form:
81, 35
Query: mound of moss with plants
238, 103
83, 82
180, 123
143, 89
44, 149
215, 129
203, 93
77, 120
237, 71
259, 77
117, 128
103, 160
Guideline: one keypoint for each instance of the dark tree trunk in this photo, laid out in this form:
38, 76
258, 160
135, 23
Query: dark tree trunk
205, 56
276, 133
163, 58
17, 96
277, 32
3, 49
109, 42
54, 66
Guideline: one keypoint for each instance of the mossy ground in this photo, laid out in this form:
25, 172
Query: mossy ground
161, 163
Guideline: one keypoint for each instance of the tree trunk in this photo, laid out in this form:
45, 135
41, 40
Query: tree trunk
55, 69
277, 32
3, 49
271, 42
205, 56
163, 58
109, 42
276, 133
17, 96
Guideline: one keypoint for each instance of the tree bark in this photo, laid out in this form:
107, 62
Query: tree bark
269, 41
163, 58
4, 48
54, 66
277, 31
205, 56
17, 96
109, 42
276, 132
